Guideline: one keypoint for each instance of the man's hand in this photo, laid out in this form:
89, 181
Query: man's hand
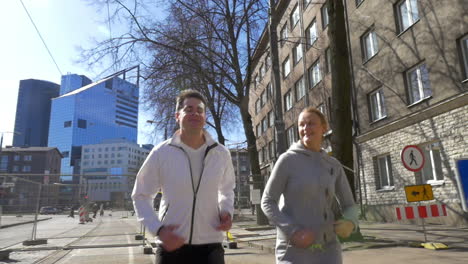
225, 222
344, 228
302, 238
171, 241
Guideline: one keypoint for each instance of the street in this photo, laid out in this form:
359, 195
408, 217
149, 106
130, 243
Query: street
111, 239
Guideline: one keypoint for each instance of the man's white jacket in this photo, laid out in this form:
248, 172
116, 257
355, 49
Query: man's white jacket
195, 208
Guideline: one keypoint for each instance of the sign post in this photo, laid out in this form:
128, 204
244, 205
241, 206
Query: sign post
412, 158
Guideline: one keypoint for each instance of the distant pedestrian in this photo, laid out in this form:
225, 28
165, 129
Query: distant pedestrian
196, 177
252, 206
72, 212
101, 210
310, 181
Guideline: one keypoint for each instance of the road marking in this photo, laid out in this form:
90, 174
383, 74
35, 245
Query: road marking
130, 251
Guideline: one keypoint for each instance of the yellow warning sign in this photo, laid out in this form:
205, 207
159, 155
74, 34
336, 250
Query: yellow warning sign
416, 193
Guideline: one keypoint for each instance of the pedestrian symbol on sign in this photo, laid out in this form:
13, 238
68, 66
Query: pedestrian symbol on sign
412, 158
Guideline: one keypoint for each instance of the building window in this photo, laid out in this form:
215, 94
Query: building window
27, 158
263, 98
261, 72
15, 168
264, 154
4, 163
464, 55
271, 149
258, 129
324, 13
311, 34
271, 118
294, 16
17, 158
299, 89
384, 173
260, 155
297, 53
432, 169
418, 84
358, 2
267, 62
66, 154
322, 109
67, 124
314, 74
269, 90
306, 3
286, 67
377, 105
82, 123
407, 14
264, 124
284, 34
327, 60
369, 45
288, 101
26, 168
290, 136
257, 106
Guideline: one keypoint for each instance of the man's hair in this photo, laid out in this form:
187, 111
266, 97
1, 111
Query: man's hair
189, 93
322, 117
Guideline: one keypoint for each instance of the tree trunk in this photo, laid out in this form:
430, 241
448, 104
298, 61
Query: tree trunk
341, 121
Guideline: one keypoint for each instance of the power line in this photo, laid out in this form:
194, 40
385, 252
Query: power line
37, 30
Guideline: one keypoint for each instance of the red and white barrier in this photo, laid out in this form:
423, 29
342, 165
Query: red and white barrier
422, 211
82, 213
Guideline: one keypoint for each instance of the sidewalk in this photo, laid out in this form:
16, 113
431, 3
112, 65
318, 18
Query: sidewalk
14, 220
376, 235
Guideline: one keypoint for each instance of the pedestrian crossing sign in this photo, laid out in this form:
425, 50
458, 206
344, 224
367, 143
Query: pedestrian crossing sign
417, 193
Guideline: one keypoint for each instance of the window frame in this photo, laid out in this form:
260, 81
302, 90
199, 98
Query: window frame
327, 60
312, 24
388, 173
463, 50
297, 89
294, 17
283, 66
368, 52
436, 169
297, 50
381, 108
422, 90
288, 95
324, 15
411, 20
315, 68
284, 34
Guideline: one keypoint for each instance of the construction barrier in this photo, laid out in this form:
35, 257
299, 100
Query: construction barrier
421, 211
82, 213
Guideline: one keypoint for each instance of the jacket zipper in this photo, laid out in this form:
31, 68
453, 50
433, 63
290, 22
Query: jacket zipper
195, 190
165, 212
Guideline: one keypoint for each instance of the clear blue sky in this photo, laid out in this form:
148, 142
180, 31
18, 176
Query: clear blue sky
64, 25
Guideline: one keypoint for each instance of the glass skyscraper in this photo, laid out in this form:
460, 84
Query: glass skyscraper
107, 109
33, 112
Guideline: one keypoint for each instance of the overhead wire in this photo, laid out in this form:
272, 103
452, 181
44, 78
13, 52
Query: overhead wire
40, 36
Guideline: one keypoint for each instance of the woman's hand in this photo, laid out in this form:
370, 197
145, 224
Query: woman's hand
344, 228
302, 238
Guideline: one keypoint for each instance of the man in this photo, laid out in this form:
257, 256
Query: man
196, 178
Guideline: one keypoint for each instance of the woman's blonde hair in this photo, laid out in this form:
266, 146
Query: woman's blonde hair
314, 110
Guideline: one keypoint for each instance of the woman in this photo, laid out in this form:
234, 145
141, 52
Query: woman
310, 181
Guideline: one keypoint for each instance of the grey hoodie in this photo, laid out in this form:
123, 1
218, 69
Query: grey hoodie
309, 182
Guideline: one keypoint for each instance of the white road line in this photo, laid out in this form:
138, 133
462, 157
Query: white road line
130, 251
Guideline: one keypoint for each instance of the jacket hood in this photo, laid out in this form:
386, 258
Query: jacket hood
298, 147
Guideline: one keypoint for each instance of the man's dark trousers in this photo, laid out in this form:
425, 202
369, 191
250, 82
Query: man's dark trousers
206, 253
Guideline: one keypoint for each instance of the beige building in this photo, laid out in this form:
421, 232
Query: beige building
410, 72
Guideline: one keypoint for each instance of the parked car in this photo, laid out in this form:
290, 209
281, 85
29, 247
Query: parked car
48, 210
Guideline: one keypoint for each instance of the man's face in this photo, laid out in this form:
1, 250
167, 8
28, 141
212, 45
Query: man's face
311, 128
192, 116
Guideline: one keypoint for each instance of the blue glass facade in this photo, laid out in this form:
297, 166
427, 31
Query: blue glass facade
106, 109
71, 82
33, 112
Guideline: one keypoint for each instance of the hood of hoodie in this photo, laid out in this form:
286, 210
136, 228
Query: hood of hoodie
298, 147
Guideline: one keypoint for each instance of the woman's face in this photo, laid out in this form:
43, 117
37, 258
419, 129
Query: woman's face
311, 129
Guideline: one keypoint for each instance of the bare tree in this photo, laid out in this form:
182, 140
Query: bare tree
219, 51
